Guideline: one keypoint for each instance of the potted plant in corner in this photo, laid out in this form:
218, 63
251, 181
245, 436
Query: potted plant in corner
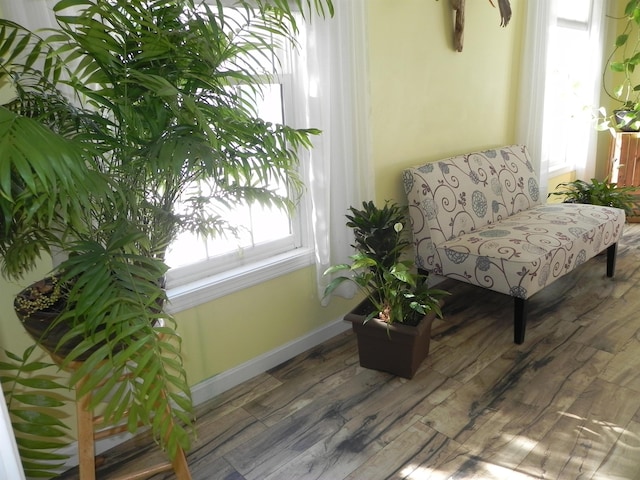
620, 65
393, 322
596, 192
129, 123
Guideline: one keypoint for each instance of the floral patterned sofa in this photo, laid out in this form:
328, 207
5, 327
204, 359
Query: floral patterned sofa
479, 218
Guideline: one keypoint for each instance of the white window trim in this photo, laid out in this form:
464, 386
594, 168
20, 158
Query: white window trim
337, 171
190, 294
188, 287
555, 171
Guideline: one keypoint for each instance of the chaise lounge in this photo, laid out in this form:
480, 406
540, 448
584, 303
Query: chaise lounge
479, 218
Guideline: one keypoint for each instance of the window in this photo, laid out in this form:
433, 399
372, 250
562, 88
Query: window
268, 241
572, 76
257, 225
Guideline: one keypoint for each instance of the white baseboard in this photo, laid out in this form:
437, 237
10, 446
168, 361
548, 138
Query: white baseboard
224, 381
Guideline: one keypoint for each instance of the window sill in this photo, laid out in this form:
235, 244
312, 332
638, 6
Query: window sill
556, 171
192, 294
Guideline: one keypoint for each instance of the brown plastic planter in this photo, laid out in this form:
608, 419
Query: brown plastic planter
397, 348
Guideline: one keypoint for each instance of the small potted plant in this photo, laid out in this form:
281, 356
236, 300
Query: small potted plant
622, 61
597, 192
393, 322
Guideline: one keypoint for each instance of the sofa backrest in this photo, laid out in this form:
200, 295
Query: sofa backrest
461, 194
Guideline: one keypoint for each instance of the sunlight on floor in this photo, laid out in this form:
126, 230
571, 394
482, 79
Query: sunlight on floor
481, 469
501, 473
421, 473
518, 441
492, 472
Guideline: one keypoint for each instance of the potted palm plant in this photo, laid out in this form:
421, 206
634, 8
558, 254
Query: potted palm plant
126, 126
393, 322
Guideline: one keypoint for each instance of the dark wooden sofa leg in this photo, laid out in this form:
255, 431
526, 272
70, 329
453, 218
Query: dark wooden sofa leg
520, 305
612, 251
519, 319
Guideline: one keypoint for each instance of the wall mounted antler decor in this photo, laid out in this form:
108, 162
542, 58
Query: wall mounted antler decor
458, 28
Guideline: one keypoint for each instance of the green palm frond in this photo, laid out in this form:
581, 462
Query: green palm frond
45, 185
33, 398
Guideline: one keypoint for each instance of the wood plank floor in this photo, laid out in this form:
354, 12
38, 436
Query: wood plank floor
564, 405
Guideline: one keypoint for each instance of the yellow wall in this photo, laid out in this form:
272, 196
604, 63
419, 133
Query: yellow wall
552, 185
427, 102
236, 328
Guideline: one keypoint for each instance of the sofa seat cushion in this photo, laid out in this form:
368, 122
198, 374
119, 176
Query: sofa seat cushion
522, 253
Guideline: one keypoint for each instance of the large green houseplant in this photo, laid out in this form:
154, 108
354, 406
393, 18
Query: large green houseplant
619, 79
380, 269
126, 126
393, 322
597, 192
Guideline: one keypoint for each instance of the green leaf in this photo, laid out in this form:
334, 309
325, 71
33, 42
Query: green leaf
621, 39
38, 400
335, 283
37, 417
337, 268
617, 66
38, 430
32, 444
39, 383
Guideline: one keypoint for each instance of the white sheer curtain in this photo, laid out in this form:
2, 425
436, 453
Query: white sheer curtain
597, 40
334, 98
30, 13
533, 128
540, 16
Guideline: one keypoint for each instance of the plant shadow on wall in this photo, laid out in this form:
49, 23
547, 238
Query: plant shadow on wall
620, 70
393, 322
128, 124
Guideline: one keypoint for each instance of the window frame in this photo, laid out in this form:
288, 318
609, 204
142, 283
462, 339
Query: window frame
581, 161
191, 285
